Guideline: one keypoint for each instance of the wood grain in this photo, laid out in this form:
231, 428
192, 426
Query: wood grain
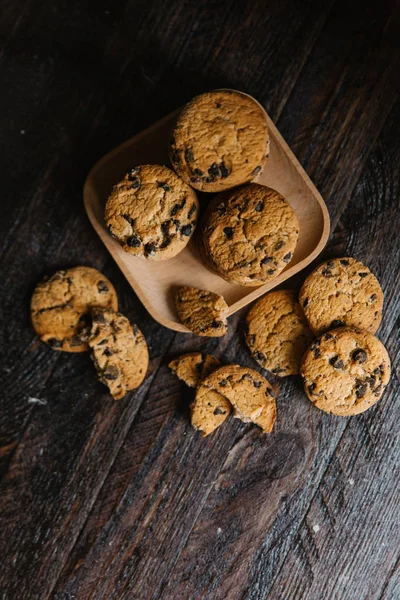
123, 500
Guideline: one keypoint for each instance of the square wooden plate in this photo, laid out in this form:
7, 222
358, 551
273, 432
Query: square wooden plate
154, 282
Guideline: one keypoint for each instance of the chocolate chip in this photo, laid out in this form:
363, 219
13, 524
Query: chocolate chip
271, 271
135, 185
198, 172
214, 171
228, 231
277, 370
218, 104
107, 352
102, 342
371, 380
255, 171
344, 262
221, 210
373, 297
166, 243
216, 324
191, 211
128, 219
266, 260
223, 383
259, 356
150, 249
164, 186
359, 355
363, 274
111, 373
98, 317
251, 339
327, 273
328, 336
219, 411
177, 207
377, 390
54, 343
279, 245
259, 206
312, 387
336, 362
361, 388
189, 155
257, 384
287, 257
224, 170
336, 323
133, 241
102, 286
305, 302
330, 264
270, 392
186, 230
132, 173
195, 179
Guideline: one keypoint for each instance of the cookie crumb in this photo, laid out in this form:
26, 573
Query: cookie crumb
40, 401
316, 528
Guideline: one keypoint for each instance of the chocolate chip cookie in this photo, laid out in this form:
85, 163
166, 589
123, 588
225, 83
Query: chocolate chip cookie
193, 367
342, 291
249, 234
251, 395
220, 140
345, 371
277, 333
119, 351
203, 312
152, 213
209, 409
61, 304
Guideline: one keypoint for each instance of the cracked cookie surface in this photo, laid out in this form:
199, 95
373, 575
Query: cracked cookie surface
250, 394
249, 234
152, 213
220, 141
61, 304
277, 333
203, 312
119, 351
345, 371
342, 292
191, 368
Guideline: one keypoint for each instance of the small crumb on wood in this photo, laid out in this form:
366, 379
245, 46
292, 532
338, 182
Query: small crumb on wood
219, 531
351, 481
40, 401
22, 132
316, 528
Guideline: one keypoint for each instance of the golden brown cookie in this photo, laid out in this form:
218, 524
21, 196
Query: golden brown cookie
345, 371
220, 140
61, 304
152, 213
277, 333
209, 409
249, 234
251, 395
342, 291
191, 368
119, 351
203, 312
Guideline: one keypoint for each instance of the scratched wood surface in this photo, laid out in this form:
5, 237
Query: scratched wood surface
108, 500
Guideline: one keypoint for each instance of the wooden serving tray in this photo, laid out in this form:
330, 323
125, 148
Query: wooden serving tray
154, 282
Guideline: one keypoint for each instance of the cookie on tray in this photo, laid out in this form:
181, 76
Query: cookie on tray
61, 304
277, 333
119, 351
345, 371
191, 368
203, 312
342, 292
220, 140
152, 213
249, 234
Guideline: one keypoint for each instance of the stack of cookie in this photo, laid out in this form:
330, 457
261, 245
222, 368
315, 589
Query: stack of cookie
249, 232
75, 310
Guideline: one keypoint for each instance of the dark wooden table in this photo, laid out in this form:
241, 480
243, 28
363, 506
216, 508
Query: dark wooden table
124, 500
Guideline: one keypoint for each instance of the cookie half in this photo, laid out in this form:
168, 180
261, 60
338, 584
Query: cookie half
119, 351
152, 213
342, 292
277, 333
209, 409
249, 235
220, 141
61, 304
191, 368
203, 312
345, 371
